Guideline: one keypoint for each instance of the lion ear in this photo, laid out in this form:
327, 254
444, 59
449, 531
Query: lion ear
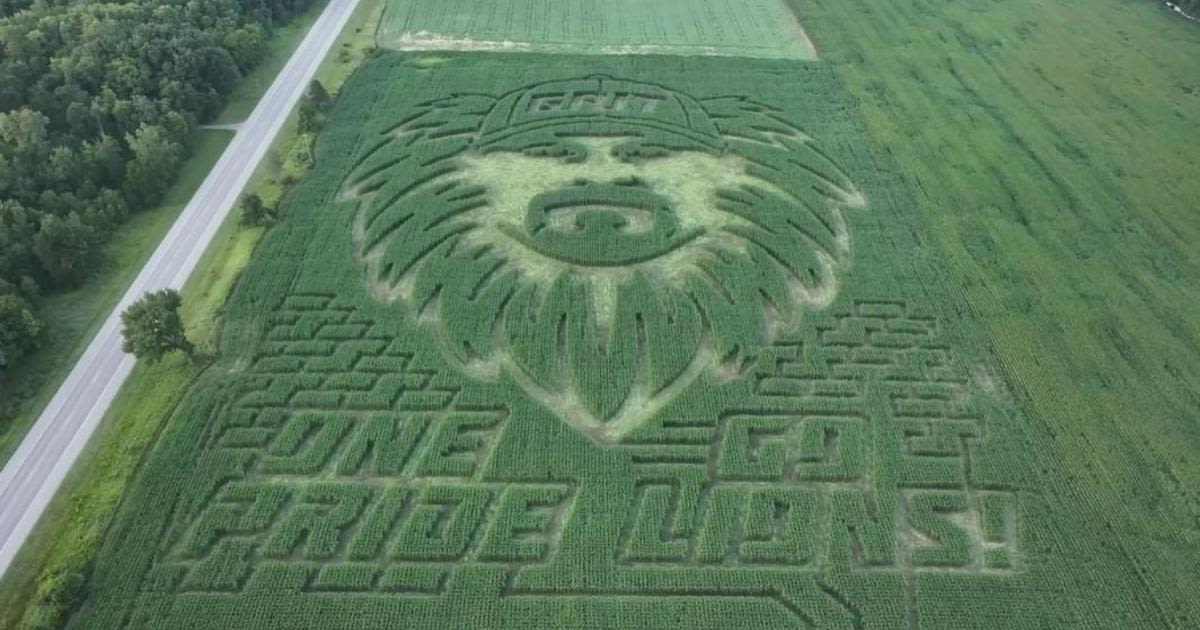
460, 113
453, 119
740, 118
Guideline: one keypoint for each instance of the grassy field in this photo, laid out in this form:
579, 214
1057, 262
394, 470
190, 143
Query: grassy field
752, 28
1053, 149
904, 338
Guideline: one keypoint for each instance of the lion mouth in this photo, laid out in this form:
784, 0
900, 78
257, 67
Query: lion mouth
600, 225
597, 217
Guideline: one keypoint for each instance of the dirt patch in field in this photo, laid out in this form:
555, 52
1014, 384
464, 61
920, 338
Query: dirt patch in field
803, 34
426, 40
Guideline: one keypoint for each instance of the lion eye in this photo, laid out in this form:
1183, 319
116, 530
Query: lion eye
632, 181
635, 153
570, 153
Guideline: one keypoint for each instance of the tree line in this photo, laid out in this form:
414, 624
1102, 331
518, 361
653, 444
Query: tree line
96, 103
152, 326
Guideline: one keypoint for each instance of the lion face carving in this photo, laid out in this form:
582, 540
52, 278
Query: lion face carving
601, 242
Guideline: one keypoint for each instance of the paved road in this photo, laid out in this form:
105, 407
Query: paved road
38, 466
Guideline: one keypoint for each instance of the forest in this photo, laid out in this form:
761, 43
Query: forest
97, 101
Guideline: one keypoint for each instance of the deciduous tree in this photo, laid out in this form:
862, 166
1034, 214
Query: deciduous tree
314, 106
254, 212
152, 327
62, 247
155, 158
19, 329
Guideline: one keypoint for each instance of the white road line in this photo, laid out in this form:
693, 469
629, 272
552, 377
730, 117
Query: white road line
35, 470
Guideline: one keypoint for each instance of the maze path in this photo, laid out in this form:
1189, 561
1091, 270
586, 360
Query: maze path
364, 475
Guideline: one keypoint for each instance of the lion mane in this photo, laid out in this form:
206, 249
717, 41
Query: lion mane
603, 347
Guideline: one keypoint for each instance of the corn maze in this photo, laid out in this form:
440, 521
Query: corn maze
584, 350
581, 342
369, 475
